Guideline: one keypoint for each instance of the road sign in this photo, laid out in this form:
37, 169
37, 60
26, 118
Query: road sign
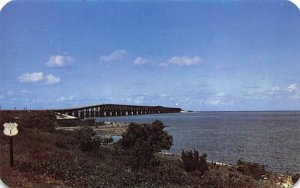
10, 129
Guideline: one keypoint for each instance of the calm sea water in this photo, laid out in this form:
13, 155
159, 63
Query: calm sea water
269, 138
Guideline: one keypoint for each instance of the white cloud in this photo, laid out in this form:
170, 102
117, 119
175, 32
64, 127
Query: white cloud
51, 79
140, 61
31, 77
59, 61
136, 100
116, 55
39, 77
63, 99
292, 88
185, 61
275, 91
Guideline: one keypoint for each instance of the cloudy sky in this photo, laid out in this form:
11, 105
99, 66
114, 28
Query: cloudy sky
197, 55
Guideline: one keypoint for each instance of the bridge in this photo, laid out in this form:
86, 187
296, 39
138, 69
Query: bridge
115, 110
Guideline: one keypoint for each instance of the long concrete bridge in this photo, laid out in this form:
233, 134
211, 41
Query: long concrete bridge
115, 110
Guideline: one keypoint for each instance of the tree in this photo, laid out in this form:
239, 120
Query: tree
252, 169
192, 161
295, 178
143, 140
90, 141
84, 136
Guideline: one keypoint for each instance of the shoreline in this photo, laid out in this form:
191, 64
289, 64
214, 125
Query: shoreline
40, 151
253, 143
282, 179
105, 129
114, 128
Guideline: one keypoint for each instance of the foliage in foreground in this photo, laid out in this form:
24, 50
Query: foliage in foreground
43, 120
193, 162
295, 178
252, 169
143, 140
89, 141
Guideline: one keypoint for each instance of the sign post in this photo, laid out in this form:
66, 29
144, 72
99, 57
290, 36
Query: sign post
10, 129
11, 153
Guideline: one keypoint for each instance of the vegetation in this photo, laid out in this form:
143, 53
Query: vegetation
192, 162
45, 157
85, 138
142, 141
295, 178
89, 141
43, 120
254, 170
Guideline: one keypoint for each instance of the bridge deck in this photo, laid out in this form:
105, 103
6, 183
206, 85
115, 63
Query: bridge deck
115, 110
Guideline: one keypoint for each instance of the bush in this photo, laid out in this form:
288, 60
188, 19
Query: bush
89, 122
61, 145
69, 123
43, 120
106, 141
143, 140
295, 178
192, 161
252, 169
89, 141
84, 137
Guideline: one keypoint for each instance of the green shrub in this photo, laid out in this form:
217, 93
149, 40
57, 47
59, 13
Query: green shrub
89, 141
252, 169
295, 178
61, 145
143, 140
89, 122
192, 161
84, 136
43, 120
106, 140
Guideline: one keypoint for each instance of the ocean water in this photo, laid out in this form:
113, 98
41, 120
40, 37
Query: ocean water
269, 138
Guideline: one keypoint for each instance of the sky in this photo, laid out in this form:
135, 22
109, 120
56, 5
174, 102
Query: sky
196, 55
